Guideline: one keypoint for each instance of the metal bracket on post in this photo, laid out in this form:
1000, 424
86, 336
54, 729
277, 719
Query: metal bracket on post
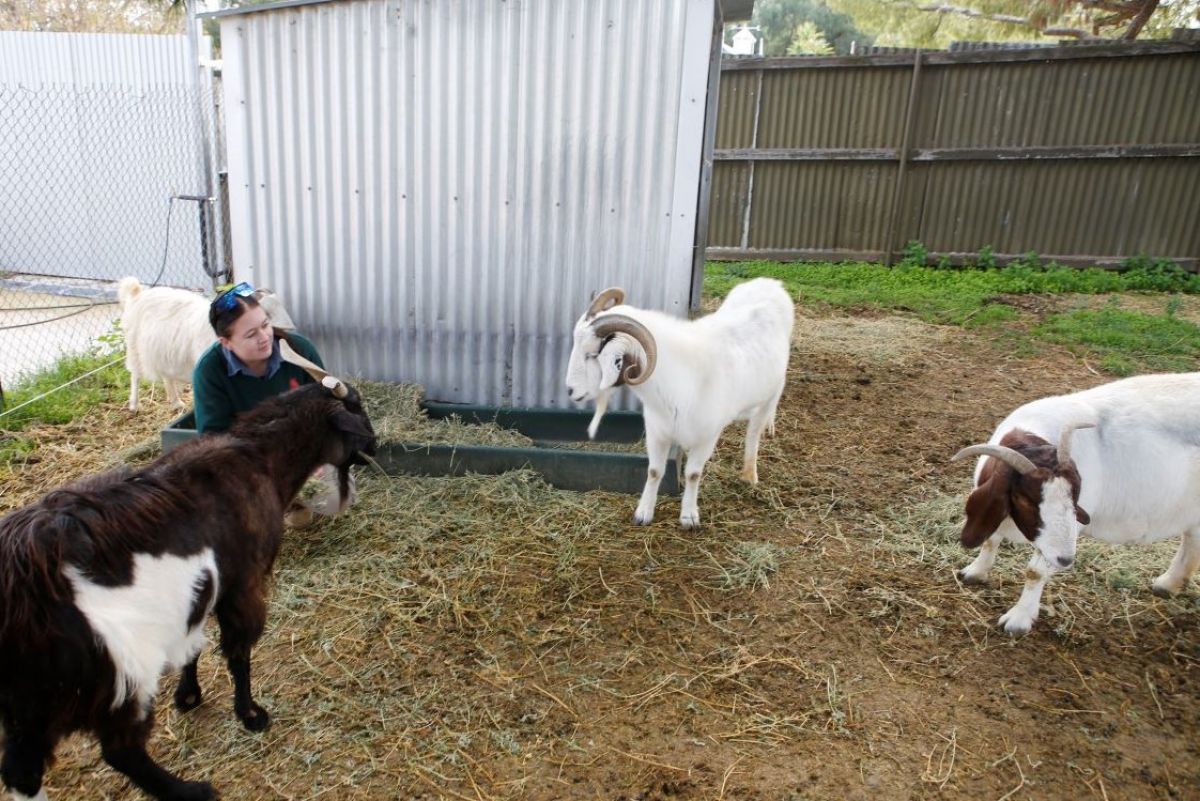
204, 206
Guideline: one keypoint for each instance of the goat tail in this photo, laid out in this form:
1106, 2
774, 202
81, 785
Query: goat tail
128, 288
34, 546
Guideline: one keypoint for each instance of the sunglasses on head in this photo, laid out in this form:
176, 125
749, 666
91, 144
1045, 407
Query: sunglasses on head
228, 299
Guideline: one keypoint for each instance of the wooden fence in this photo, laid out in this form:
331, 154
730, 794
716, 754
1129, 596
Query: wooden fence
1084, 155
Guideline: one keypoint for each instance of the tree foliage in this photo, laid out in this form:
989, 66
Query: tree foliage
98, 16
936, 23
792, 27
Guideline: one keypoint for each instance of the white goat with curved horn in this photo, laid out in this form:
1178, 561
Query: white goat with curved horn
693, 377
1131, 474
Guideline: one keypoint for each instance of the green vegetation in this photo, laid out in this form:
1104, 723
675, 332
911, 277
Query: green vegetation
1119, 341
954, 296
108, 384
1126, 342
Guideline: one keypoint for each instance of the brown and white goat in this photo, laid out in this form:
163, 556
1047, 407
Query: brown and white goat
105, 584
1119, 463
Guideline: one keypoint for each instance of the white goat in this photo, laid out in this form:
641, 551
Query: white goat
1134, 466
694, 378
167, 330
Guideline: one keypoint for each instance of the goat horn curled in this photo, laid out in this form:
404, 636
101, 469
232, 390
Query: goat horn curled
1017, 461
331, 383
1064, 440
620, 324
601, 303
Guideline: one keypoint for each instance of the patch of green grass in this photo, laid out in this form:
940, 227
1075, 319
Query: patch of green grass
107, 385
1126, 342
954, 296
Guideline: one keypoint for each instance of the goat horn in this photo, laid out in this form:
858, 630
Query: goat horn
620, 324
601, 302
331, 383
1017, 461
1064, 440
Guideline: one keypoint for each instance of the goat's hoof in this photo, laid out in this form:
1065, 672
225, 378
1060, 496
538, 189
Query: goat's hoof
750, 476
192, 791
972, 580
1164, 589
689, 522
256, 719
187, 699
1016, 622
643, 519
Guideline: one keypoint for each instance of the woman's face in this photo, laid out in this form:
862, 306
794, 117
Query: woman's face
250, 336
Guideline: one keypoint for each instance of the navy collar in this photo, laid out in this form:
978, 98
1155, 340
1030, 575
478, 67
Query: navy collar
235, 365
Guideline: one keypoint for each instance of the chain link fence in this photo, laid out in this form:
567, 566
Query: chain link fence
99, 179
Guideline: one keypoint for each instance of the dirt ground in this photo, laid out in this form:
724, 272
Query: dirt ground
490, 637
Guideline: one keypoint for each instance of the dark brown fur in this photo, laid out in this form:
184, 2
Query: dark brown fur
226, 492
1002, 492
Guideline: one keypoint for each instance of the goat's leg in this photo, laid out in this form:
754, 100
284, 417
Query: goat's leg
188, 694
133, 390
242, 616
1186, 560
771, 407
123, 745
26, 753
173, 392
978, 571
689, 508
1024, 613
754, 429
657, 450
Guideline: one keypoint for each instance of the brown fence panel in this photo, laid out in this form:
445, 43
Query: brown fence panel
1084, 155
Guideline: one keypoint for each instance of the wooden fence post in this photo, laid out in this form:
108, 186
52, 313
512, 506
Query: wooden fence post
902, 169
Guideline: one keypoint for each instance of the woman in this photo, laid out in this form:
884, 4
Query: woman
244, 366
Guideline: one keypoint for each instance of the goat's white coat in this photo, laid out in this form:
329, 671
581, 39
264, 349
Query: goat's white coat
144, 625
166, 332
1139, 474
41, 796
726, 366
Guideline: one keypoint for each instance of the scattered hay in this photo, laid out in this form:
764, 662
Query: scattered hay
882, 340
396, 415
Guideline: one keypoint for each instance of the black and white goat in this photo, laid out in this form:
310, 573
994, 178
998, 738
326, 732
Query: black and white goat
1119, 463
105, 584
693, 377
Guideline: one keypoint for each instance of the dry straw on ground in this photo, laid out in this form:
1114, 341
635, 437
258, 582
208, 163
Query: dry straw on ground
489, 637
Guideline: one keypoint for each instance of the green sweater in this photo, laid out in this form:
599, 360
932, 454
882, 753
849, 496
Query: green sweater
219, 396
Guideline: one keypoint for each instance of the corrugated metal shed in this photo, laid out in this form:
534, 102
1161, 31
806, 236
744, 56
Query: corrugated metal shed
437, 188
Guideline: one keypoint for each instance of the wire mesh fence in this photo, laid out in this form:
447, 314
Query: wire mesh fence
99, 180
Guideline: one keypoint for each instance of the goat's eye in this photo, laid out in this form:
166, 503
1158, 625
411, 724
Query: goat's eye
590, 355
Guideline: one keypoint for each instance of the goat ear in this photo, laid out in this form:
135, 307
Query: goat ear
356, 424
1082, 516
987, 506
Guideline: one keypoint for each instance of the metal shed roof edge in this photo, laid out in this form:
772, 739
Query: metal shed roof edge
733, 10
737, 10
254, 9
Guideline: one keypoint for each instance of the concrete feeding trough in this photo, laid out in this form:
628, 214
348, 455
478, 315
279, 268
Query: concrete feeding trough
550, 457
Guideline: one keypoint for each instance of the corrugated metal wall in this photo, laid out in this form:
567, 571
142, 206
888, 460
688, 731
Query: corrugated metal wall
1079, 156
437, 188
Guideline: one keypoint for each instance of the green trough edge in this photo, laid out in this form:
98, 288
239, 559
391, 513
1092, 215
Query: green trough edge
578, 470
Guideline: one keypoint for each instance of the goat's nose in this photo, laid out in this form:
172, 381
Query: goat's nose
1065, 561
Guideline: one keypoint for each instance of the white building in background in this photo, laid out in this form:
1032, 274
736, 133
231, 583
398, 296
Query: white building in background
746, 41
438, 188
